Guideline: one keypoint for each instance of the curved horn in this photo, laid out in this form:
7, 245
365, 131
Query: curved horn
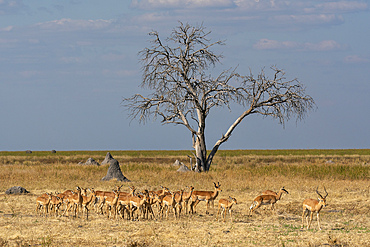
318, 192
325, 192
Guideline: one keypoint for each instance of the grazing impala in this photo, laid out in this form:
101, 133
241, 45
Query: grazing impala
223, 205
270, 192
312, 205
266, 200
207, 196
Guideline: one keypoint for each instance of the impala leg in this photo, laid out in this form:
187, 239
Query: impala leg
309, 223
218, 211
87, 212
303, 216
167, 209
185, 206
223, 214
207, 207
193, 206
318, 220
231, 219
174, 212
254, 206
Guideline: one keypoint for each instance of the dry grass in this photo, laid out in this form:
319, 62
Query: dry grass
345, 222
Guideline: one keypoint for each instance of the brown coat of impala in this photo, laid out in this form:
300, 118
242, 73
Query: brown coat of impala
225, 204
86, 201
186, 197
207, 196
74, 200
266, 200
43, 201
168, 202
312, 205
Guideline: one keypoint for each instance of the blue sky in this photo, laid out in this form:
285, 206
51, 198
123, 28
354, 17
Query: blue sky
66, 65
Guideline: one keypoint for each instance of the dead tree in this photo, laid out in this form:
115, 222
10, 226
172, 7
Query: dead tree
176, 70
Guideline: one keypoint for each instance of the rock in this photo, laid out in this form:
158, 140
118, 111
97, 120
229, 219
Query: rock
183, 168
114, 170
177, 163
28, 152
90, 161
53, 151
107, 159
16, 190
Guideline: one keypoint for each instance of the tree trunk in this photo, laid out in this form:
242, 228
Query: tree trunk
200, 153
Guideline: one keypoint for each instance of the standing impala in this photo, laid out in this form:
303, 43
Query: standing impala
312, 205
186, 198
74, 200
207, 196
266, 200
43, 201
223, 205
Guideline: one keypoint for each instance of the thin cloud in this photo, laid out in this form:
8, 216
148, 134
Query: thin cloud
325, 45
314, 19
342, 6
275, 14
11, 7
74, 25
355, 59
150, 4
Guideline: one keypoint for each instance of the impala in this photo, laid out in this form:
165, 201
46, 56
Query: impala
178, 200
136, 203
55, 203
186, 197
100, 198
42, 201
207, 196
147, 206
266, 200
223, 205
112, 203
124, 205
312, 205
168, 202
74, 200
163, 191
86, 200
270, 192
65, 195
159, 194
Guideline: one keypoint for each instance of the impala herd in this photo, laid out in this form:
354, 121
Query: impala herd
134, 203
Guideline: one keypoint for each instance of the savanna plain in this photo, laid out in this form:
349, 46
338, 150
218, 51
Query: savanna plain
243, 174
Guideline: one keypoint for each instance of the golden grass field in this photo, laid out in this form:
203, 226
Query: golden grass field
243, 175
